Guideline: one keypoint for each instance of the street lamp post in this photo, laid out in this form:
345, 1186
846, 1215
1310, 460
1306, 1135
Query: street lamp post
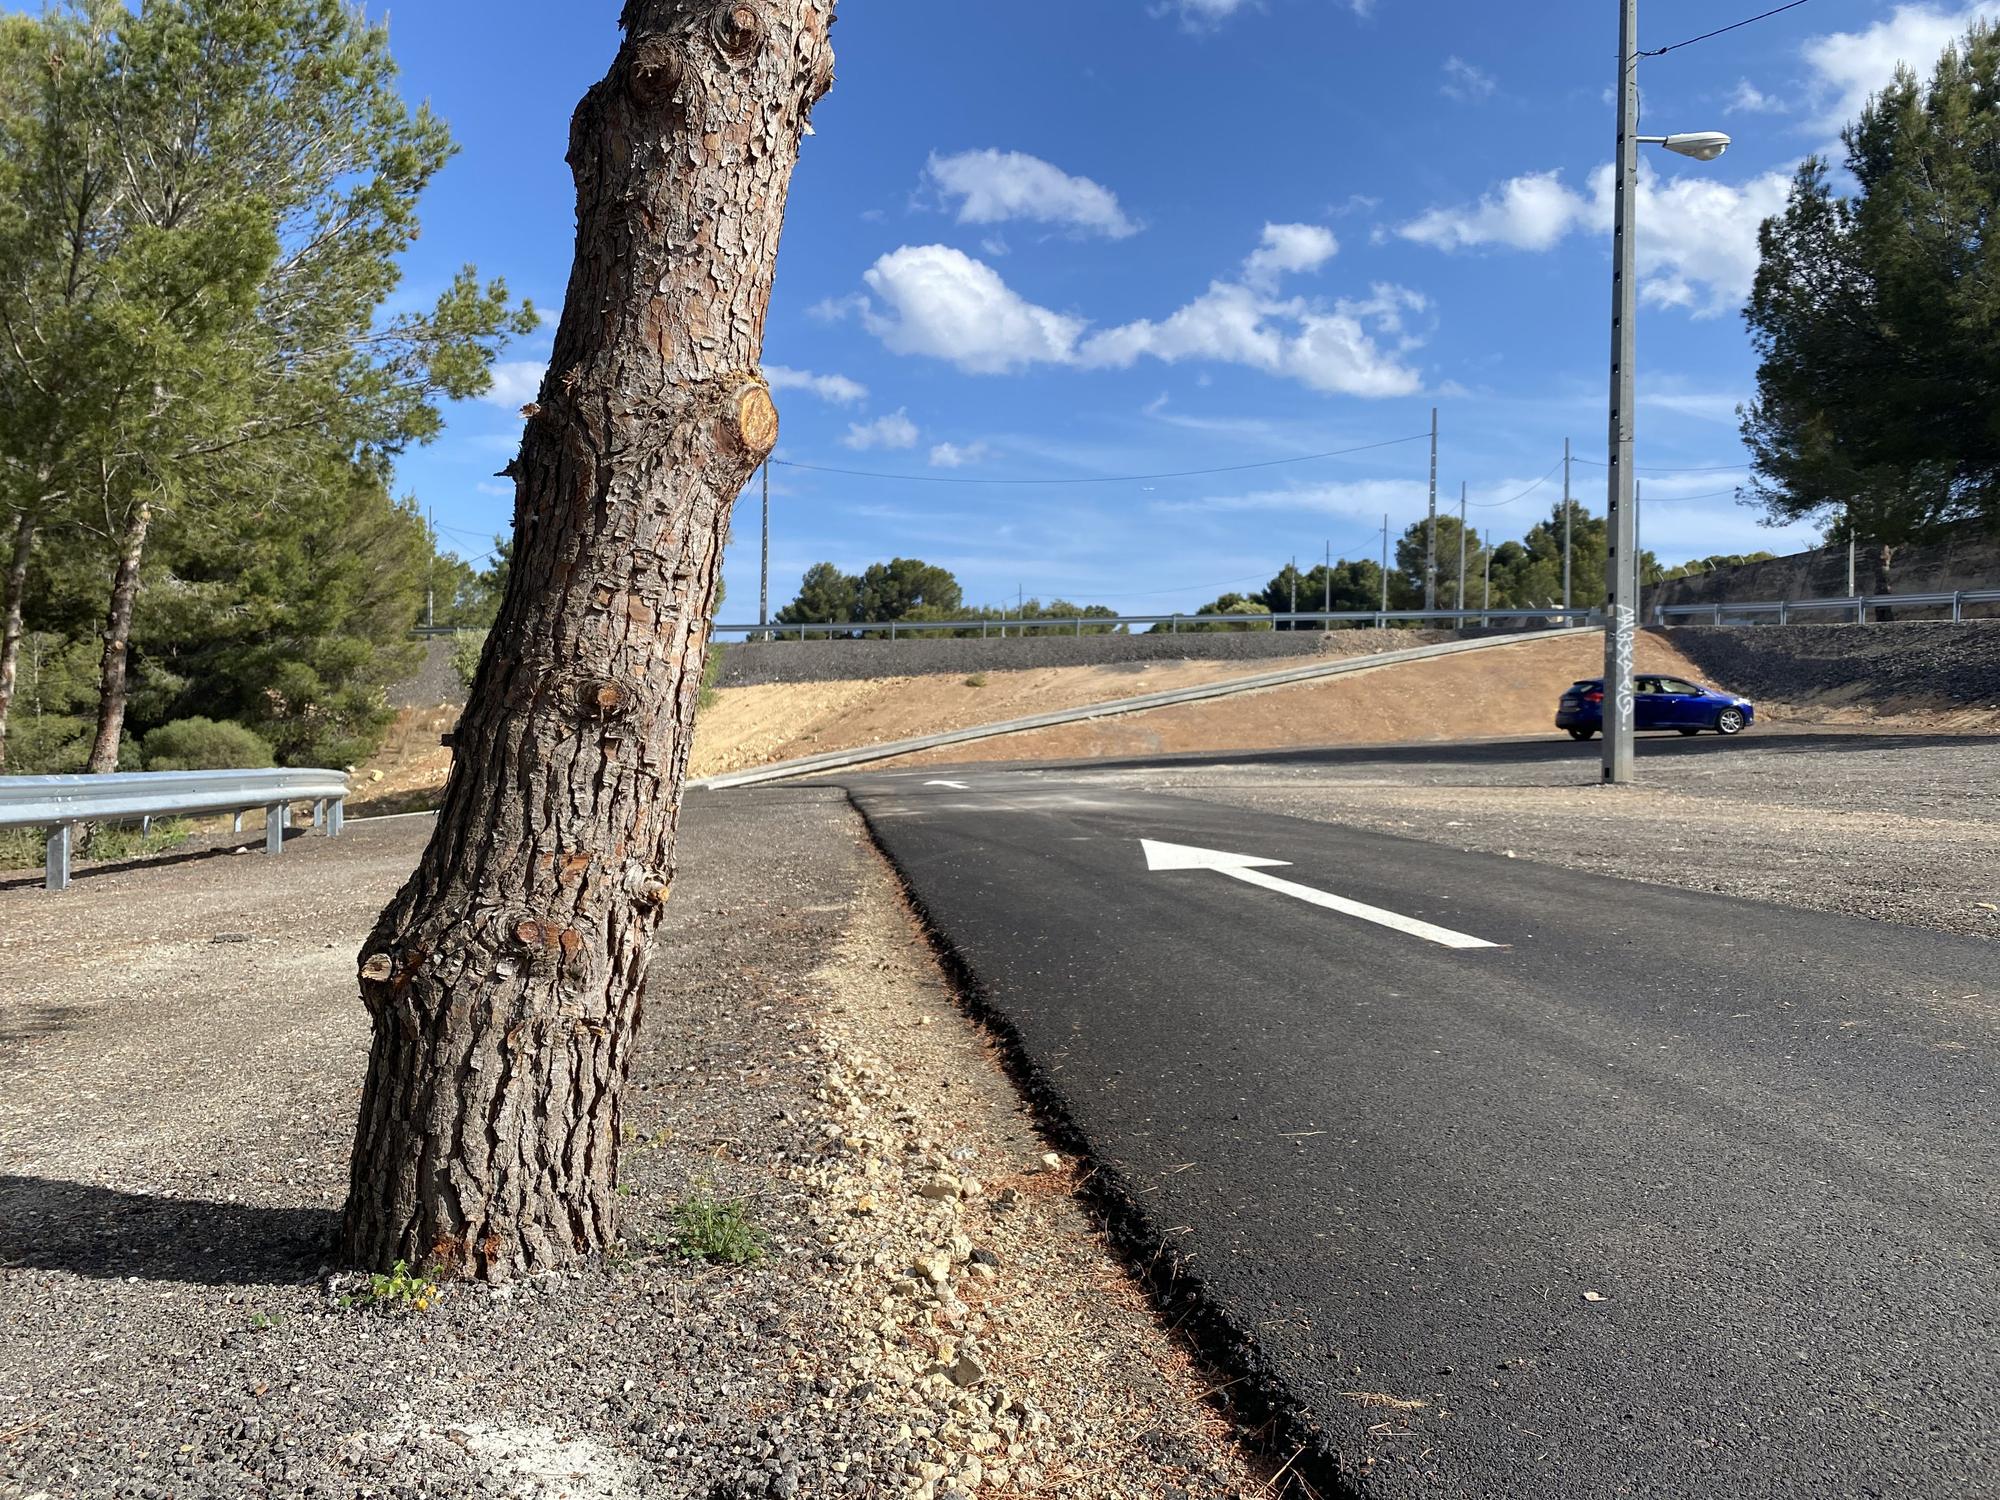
1622, 564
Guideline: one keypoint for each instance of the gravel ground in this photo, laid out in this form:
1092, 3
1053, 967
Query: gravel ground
179, 1068
1899, 828
435, 682
1882, 668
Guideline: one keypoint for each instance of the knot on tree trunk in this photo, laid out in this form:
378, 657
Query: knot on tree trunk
738, 28
755, 426
653, 71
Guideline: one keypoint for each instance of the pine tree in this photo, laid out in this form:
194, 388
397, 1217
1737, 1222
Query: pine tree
1877, 319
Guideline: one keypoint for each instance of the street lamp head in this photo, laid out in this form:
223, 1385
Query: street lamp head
1702, 145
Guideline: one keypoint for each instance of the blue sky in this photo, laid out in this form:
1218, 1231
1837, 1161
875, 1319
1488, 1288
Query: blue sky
1084, 238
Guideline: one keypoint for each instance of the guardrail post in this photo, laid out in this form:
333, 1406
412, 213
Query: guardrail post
1079, 626
1958, 604
336, 817
276, 820
1174, 627
1784, 612
60, 836
1861, 610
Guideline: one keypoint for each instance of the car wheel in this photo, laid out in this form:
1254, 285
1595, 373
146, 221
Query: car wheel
1729, 721
1581, 734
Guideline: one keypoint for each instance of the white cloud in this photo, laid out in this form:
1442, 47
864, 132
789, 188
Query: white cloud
954, 456
1465, 83
1357, 500
516, 382
1327, 348
1200, 14
1203, 15
1704, 406
999, 187
893, 431
1530, 212
1848, 66
1751, 100
1697, 239
941, 302
837, 389
1288, 249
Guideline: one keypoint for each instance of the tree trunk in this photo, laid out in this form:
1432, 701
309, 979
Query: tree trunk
11, 632
1882, 555
506, 979
117, 638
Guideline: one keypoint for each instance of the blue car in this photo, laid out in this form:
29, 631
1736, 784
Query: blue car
1657, 703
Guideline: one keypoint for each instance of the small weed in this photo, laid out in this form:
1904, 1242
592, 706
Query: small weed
399, 1289
718, 1231
977, 679
262, 1322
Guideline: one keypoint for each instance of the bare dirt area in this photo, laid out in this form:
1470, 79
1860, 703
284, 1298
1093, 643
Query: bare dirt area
753, 726
181, 1049
1506, 690
1893, 827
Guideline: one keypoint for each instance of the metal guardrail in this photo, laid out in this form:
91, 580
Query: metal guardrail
1856, 605
1552, 618
59, 803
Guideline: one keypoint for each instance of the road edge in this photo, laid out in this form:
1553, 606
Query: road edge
1268, 1420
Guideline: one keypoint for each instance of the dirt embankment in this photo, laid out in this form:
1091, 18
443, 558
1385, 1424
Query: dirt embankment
1509, 690
1907, 675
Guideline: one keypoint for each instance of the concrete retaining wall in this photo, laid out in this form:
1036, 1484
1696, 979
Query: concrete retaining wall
1969, 559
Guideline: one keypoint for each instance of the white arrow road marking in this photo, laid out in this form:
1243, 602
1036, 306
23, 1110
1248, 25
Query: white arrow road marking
1249, 869
956, 786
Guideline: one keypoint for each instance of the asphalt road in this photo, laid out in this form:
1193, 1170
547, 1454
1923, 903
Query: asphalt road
1661, 1194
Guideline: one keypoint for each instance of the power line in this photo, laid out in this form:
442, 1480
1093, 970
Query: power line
1721, 30
1654, 469
1269, 463
1676, 499
1497, 504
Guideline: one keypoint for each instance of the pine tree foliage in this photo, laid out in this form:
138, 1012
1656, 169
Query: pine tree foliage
1876, 317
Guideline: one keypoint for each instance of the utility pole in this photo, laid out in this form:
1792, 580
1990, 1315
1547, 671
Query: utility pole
1486, 599
1326, 604
1431, 546
1385, 562
1621, 563
764, 566
1566, 525
1850, 550
1295, 589
430, 570
1461, 547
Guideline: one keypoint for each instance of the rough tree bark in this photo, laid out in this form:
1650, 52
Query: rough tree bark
506, 979
111, 677
11, 630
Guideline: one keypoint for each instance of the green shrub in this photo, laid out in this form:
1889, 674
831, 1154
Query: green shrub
48, 744
711, 674
466, 648
206, 745
719, 1231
